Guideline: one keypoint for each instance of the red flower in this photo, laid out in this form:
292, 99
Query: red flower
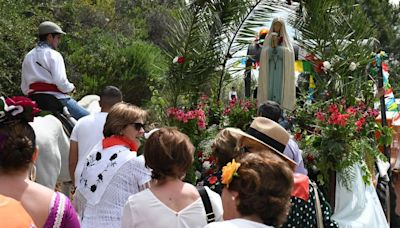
200, 154
297, 136
212, 180
360, 123
181, 59
319, 115
29, 107
333, 108
178, 59
351, 110
319, 67
310, 158
210, 172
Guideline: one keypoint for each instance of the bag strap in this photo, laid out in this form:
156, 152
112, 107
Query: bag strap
318, 210
207, 204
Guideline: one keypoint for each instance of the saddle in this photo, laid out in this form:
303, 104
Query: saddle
50, 103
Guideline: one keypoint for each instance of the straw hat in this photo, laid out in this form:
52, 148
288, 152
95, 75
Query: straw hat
270, 134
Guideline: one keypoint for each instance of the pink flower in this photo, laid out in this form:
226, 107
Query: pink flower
201, 124
227, 110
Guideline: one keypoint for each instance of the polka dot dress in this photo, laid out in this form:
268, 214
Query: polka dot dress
303, 214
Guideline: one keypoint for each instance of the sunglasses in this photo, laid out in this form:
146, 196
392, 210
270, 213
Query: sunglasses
138, 126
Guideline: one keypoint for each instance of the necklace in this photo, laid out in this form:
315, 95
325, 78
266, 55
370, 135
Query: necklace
275, 57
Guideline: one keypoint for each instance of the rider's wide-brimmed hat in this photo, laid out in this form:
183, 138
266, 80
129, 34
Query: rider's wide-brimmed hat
270, 134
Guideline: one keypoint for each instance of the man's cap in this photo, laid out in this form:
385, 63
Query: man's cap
48, 27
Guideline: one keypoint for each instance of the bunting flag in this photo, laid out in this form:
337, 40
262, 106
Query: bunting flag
303, 66
392, 109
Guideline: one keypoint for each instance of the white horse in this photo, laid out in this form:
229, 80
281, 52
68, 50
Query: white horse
53, 145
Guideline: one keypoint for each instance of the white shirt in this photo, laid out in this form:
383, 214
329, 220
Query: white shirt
145, 210
237, 223
52, 70
232, 93
87, 132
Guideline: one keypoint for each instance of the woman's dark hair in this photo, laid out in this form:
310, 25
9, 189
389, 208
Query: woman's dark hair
169, 153
44, 36
270, 110
264, 184
17, 145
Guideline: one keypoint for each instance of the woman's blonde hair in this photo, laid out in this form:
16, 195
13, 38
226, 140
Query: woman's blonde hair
121, 115
224, 146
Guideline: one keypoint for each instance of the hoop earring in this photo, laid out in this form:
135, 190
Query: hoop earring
32, 173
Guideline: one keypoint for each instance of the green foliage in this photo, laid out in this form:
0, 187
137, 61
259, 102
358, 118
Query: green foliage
384, 17
199, 35
240, 113
18, 27
339, 126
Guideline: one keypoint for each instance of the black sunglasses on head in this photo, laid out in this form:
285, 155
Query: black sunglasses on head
138, 126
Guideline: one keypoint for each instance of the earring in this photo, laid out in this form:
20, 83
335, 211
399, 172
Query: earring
32, 173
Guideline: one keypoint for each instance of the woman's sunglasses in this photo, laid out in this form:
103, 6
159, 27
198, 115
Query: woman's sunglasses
138, 126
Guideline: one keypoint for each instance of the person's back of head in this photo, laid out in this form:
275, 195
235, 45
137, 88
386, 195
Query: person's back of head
109, 96
263, 183
169, 153
270, 110
17, 137
224, 147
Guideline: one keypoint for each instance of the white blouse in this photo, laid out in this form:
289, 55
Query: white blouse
144, 210
129, 179
237, 223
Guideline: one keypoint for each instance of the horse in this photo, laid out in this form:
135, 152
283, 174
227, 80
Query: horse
53, 145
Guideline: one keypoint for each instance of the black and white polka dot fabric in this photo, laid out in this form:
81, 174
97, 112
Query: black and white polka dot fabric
303, 214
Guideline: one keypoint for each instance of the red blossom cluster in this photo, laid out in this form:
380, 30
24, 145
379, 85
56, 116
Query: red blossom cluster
182, 116
336, 116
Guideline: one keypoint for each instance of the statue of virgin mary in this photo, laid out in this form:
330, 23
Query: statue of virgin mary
276, 79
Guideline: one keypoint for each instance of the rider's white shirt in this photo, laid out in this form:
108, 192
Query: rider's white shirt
87, 132
52, 71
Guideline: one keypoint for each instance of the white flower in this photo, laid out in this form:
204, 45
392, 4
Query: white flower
198, 174
206, 165
175, 60
335, 59
326, 66
352, 66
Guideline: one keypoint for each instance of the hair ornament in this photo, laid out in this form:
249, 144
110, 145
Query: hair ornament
229, 171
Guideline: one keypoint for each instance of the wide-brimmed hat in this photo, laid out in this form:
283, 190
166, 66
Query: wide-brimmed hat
270, 134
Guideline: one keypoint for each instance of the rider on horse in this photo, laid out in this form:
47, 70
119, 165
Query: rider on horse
43, 74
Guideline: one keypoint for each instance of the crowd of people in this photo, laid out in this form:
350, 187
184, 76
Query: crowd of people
263, 179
